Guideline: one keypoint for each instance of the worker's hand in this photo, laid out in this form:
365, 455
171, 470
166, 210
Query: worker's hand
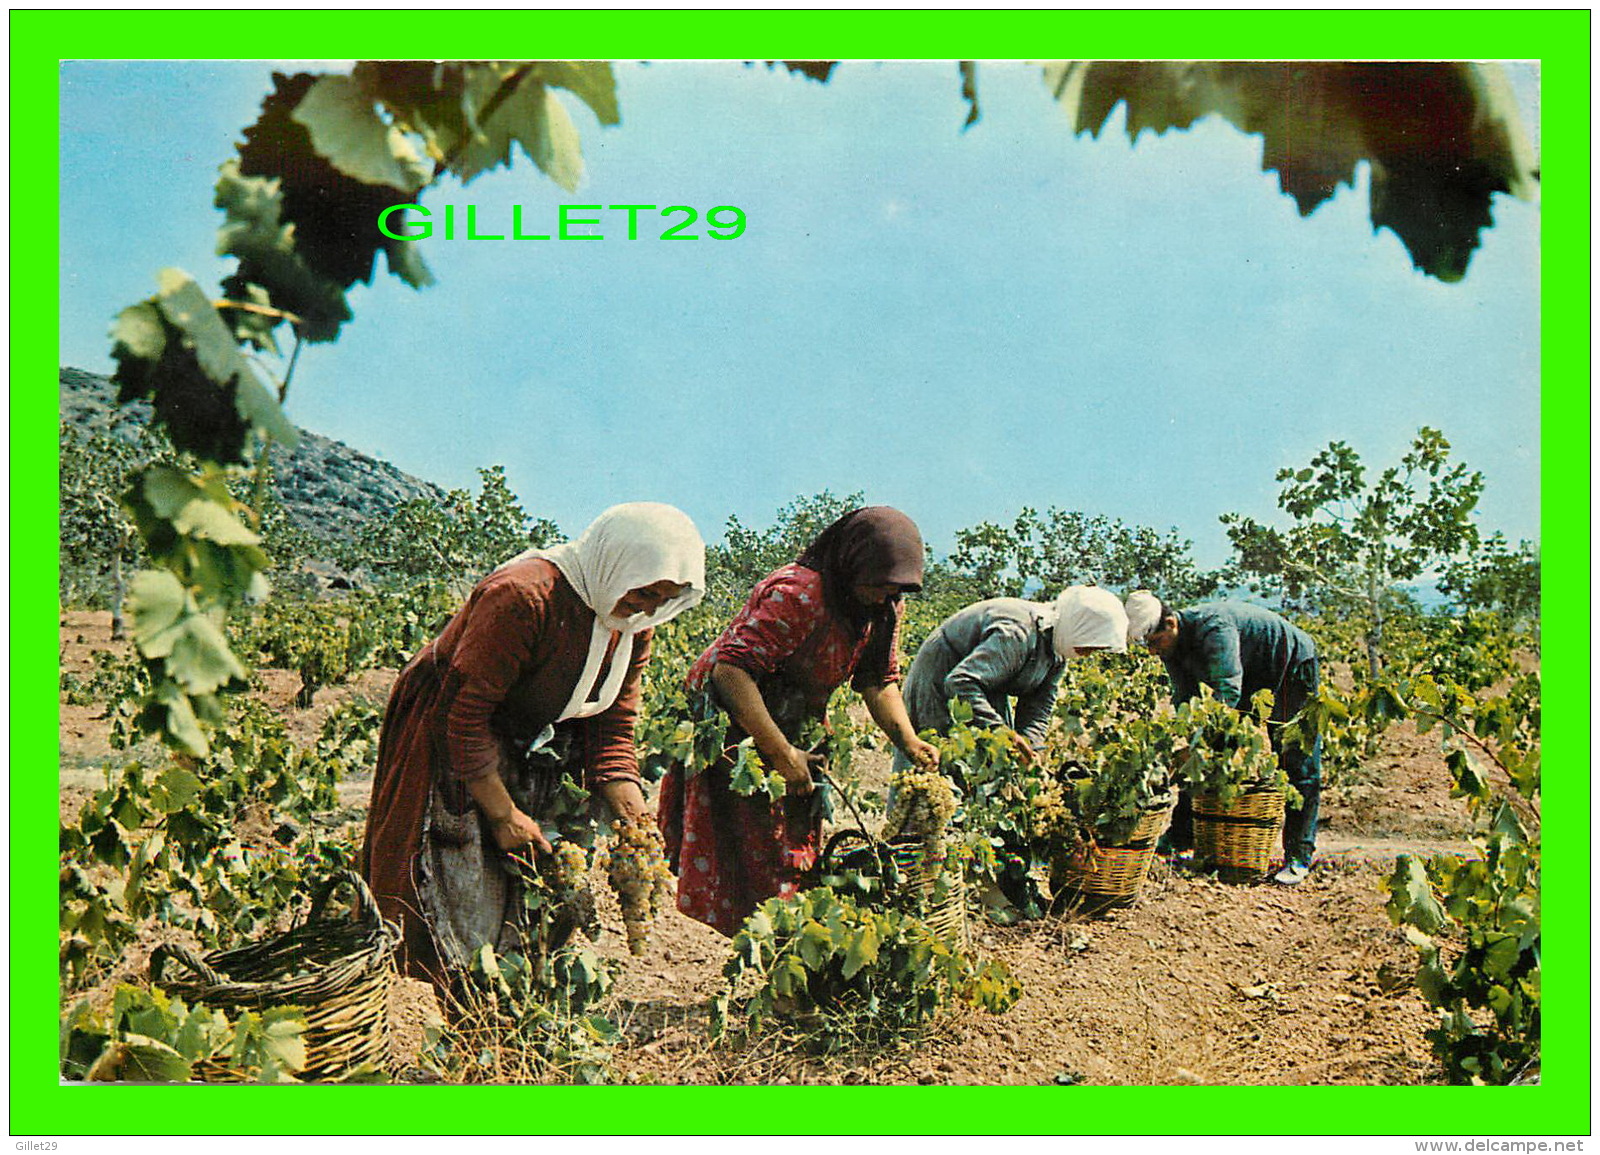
1026, 754
517, 830
924, 754
626, 800
795, 765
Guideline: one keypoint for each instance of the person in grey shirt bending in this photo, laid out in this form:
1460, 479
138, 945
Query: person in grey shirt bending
1004, 648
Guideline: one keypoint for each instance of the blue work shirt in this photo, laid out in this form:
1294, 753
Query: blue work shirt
1238, 649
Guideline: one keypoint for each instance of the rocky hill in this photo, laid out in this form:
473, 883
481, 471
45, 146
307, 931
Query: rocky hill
327, 488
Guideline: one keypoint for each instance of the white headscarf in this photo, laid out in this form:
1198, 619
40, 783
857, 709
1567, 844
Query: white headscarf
628, 546
1088, 616
1144, 614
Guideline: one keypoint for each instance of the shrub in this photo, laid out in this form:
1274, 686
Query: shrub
853, 975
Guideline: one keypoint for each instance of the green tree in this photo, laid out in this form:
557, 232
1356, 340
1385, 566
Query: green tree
289, 544
457, 539
744, 555
99, 543
1351, 540
1497, 578
1043, 555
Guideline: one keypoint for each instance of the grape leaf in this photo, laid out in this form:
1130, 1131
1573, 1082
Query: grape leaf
1411, 898
334, 215
748, 775
282, 1045
270, 263
202, 1034
156, 602
554, 146
174, 789
532, 117
405, 261
488, 142
202, 389
1469, 780
758, 925
346, 129
1440, 137
590, 81
186, 307
1432, 982
201, 661
428, 98
198, 415
140, 332
814, 944
139, 1059
173, 496
110, 846
166, 625
789, 976
189, 526
1500, 956
863, 950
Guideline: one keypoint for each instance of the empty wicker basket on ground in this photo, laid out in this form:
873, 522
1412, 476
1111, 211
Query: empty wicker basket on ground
1238, 839
338, 971
1101, 878
928, 886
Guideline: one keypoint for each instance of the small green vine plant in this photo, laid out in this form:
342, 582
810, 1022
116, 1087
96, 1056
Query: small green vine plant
848, 974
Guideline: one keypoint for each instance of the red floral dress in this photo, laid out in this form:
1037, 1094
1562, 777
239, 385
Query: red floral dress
733, 851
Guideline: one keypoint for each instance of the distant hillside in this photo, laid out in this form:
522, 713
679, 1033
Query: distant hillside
327, 488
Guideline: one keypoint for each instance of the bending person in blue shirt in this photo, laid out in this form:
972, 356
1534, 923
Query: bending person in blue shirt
1238, 649
1004, 648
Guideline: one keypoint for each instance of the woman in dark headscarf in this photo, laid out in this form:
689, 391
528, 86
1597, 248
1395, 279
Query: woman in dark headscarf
832, 614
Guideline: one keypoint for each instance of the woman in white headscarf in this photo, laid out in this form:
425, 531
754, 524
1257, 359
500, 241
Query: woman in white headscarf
1005, 648
536, 679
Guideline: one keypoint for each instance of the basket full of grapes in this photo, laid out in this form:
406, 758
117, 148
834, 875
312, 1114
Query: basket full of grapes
907, 865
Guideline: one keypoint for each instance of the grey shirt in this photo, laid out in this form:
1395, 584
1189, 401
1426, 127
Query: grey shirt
986, 654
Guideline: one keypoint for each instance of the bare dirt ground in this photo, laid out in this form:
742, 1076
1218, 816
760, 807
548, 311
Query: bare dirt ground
1199, 982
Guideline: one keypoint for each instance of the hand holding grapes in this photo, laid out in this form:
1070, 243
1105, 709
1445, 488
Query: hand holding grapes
924, 754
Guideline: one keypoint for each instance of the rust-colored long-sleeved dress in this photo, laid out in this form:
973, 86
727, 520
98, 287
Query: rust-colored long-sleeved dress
500, 672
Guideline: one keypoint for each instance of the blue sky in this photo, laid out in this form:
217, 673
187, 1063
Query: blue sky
957, 323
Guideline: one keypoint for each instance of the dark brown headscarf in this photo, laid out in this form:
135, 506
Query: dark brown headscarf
872, 546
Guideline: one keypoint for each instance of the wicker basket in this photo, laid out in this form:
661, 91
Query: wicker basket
337, 971
1101, 878
929, 888
1239, 839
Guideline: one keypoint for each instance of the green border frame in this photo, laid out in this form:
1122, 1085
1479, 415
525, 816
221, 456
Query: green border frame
1560, 39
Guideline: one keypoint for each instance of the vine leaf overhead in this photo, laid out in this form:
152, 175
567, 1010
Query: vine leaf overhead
1440, 138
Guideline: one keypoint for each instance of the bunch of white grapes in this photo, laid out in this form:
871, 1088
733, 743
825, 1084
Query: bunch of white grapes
923, 804
570, 867
562, 879
636, 867
1050, 818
